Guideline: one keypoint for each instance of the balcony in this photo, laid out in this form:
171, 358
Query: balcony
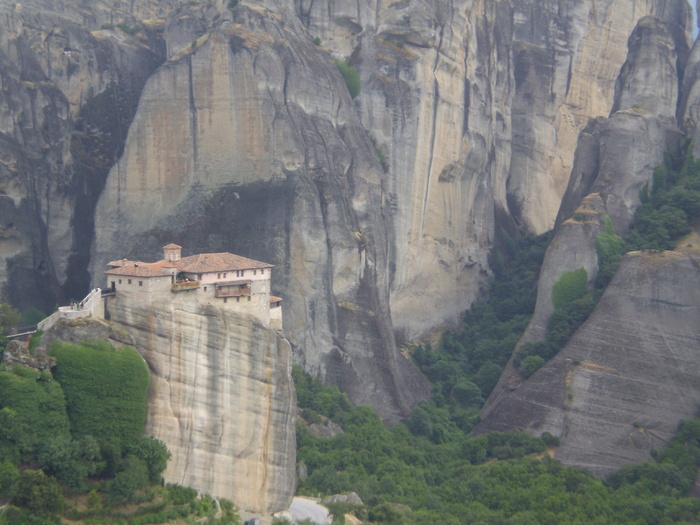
232, 291
184, 286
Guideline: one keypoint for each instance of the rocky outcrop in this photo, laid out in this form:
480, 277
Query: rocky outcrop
595, 393
627, 377
614, 159
651, 53
221, 398
233, 131
197, 169
68, 94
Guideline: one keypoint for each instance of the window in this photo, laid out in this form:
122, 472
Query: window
225, 299
120, 281
255, 272
140, 283
238, 299
218, 276
205, 289
224, 275
262, 272
249, 298
129, 281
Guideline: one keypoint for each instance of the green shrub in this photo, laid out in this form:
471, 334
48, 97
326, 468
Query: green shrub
530, 365
39, 493
70, 460
132, 477
154, 453
351, 77
317, 41
32, 316
9, 475
9, 318
311, 416
179, 495
37, 409
609, 248
105, 389
34, 341
570, 286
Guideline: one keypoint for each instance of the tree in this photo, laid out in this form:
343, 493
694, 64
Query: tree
70, 460
38, 492
133, 476
9, 318
530, 365
9, 474
32, 316
570, 286
154, 453
467, 393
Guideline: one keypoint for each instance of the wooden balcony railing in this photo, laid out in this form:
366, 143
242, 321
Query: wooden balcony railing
232, 291
184, 286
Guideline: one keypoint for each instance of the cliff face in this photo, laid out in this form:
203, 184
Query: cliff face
197, 169
622, 383
221, 398
226, 129
68, 94
625, 379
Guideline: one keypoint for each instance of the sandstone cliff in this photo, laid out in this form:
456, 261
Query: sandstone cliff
622, 383
626, 378
227, 129
221, 398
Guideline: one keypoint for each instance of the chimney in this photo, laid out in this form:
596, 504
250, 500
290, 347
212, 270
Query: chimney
172, 252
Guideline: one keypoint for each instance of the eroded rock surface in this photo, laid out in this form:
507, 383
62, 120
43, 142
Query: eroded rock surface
227, 129
627, 377
221, 398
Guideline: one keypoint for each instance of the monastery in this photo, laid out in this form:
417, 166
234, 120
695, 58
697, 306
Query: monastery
223, 280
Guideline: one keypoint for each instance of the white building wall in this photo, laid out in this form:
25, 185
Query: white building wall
144, 290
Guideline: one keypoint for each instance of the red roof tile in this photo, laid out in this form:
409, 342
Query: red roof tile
218, 262
140, 269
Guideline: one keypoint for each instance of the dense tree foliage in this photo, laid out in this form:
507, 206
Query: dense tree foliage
499, 478
466, 366
664, 217
105, 389
669, 209
81, 447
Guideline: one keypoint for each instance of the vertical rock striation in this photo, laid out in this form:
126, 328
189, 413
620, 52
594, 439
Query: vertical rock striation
622, 383
627, 377
197, 169
221, 398
224, 127
68, 94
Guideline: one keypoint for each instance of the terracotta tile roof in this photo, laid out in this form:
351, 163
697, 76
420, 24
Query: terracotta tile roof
120, 262
139, 269
171, 245
274, 299
217, 262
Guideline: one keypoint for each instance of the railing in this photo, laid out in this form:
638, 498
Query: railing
184, 286
232, 291
91, 306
